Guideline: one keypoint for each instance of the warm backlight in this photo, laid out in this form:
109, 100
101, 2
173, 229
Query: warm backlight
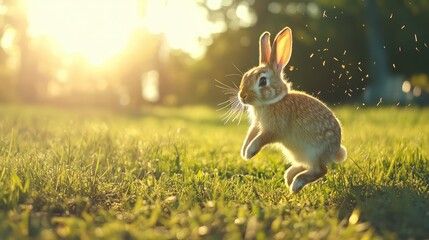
96, 29
99, 29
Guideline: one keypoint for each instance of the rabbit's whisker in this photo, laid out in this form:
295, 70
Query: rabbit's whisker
241, 72
228, 105
223, 84
227, 117
241, 115
233, 105
227, 102
233, 110
228, 91
234, 75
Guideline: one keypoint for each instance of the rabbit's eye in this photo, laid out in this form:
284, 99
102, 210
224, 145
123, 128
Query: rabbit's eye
262, 82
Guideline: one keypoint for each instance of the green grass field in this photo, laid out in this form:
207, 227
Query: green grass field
177, 173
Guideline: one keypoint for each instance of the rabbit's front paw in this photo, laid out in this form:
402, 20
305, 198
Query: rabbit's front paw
297, 185
250, 152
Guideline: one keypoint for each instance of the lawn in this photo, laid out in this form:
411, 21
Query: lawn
177, 173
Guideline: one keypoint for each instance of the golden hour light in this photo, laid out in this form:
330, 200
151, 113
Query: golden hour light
95, 29
216, 119
99, 30
184, 24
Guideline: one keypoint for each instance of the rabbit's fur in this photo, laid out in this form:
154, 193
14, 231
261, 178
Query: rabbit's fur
306, 128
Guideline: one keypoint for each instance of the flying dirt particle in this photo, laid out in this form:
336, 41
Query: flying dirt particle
417, 49
315, 39
350, 78
291, 68
403, 26
360, 69
311, 56
324, 14
344, 53
400, 49
391, 16
340, 75
343, 66
367, 76
323, 63
325, 49
394, 66
379, 102
415, 37
425, 45
327, 40
336, 59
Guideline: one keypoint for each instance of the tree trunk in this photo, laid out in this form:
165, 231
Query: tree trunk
379, 70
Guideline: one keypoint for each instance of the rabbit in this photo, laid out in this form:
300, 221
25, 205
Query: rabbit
305, 128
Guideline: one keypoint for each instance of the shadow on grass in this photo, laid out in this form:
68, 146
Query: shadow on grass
398, 210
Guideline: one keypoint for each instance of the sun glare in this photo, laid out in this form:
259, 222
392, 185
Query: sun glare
185, 24
95, 29
100, 29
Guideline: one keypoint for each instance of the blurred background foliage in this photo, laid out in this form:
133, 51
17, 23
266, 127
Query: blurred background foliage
345, 51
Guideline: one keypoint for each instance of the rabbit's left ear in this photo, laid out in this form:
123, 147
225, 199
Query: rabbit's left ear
264, 48
282, 49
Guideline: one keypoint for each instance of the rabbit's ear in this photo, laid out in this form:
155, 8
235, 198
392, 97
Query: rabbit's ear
282, 49
264, 48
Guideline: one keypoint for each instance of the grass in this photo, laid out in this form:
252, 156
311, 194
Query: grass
177, 173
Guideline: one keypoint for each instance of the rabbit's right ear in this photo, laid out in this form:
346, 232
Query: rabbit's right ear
282, 49
264, 48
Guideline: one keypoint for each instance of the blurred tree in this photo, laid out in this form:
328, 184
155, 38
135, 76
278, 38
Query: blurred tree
29, 64
9, 55
339, 49
142, 55
380, 71
338, 46
320, 45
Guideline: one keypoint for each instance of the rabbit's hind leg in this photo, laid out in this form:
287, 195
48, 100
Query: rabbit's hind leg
307, 176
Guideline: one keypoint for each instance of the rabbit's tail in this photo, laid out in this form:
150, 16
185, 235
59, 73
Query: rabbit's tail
341, 155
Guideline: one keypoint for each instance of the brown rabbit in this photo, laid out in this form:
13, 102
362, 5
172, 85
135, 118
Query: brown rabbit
306, 128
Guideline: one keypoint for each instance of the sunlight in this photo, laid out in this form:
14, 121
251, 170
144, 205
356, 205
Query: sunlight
184, 23
95, 29
99, 30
